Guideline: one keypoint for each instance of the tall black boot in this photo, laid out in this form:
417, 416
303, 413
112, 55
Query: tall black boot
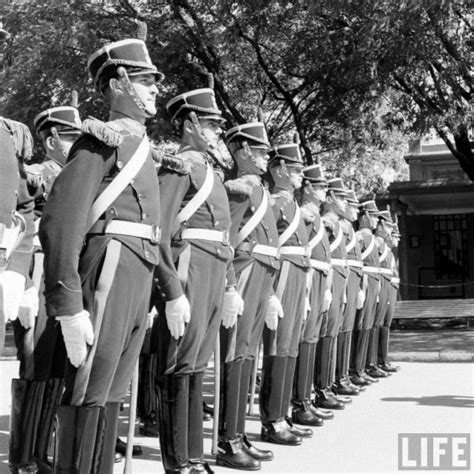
340, 347
51, 399
147, 400
372, 369
195, 429
27, 399
244, 384
272, 388
383, 362
79, 432
230, 391
173, 421
304, 371
107, 438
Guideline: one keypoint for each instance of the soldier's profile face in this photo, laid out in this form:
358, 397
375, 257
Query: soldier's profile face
352, 212
260, 158
145, 88
296, 176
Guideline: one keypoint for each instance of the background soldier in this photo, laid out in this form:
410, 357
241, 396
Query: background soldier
393, 294
201, 291
93, 245
319, 298
41, 352
368, 220
255, 262
382, 233
281, 345
354, 298
333, 211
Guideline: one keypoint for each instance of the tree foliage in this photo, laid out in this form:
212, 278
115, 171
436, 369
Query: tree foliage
353, 78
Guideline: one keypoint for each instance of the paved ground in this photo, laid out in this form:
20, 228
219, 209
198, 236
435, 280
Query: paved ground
422, 398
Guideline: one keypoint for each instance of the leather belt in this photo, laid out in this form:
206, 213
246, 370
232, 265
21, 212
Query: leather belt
260, 249
319, 265
395, 280
354, 263
295, 250
369, 269
386, 271
132, 229
339, 262
221, 236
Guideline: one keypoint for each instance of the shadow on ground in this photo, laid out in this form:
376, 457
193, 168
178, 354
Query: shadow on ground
453, 401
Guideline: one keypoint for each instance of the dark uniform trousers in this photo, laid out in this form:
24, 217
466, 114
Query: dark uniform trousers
239, 346
305, 365
345, 335
384, 336
281, 346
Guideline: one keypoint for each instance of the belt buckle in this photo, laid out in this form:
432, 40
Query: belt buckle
307, 251
155, 234
3, 257
278, 254
225, 237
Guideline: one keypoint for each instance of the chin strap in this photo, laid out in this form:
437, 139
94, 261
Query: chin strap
248, 155
220, 154
124, 79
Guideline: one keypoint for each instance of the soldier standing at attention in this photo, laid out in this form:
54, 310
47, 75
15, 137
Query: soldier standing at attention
36, 392
200, 291
256, 261
280, 345
99, 234
333, 211
384, 336
368, 219
319, 296
355, 297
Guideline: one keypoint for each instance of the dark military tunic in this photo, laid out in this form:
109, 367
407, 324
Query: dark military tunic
285, 340
354, 280
385, 282
198, 267
74, 260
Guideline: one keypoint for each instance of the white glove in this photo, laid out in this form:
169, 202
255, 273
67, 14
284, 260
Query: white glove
327, 300
178, 312
77, 333
274, 311
29, 307
360, 299
151, 317
233, 306
12, 287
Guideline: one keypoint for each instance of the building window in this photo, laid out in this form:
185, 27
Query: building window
450, 247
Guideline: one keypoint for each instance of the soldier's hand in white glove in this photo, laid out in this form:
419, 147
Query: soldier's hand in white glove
77, 333
29, 307
274, 312
151, 317
178, 313
233, 306
327, 300
12, 287
360, 299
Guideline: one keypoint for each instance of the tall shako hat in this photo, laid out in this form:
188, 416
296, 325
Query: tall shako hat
386, 216
368, 205
201, 101
64, 119
352, 198
132, 54
336, 186
253, 132
290, 154
313, 174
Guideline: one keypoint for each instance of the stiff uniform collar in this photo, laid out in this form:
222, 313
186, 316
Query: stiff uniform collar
128, 125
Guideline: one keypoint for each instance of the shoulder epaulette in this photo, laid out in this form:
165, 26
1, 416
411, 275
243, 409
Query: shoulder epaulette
21, 137
170, 162
103, 132
328, 223
364, 233
238, 186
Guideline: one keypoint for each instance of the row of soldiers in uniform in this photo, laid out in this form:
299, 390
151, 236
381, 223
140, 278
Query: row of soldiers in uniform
215, 257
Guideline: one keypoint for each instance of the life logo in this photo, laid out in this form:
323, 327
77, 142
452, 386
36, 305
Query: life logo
434, 451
